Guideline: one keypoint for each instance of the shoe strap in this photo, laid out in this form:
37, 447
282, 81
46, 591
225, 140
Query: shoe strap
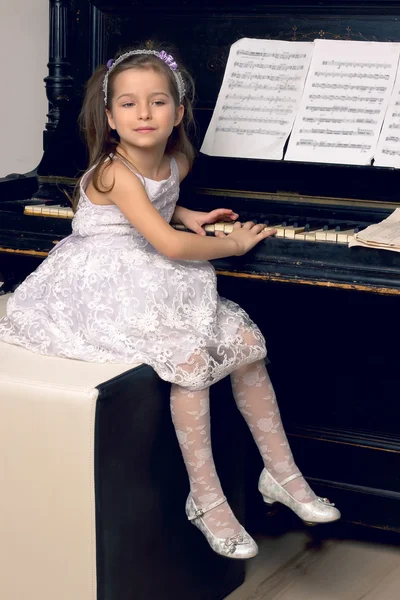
291, 478
199, 512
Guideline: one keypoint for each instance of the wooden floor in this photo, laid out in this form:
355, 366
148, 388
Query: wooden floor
342, 563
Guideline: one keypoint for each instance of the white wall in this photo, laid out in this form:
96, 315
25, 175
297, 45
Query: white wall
24, 43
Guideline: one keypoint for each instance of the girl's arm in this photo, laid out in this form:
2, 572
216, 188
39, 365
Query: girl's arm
130, 196
183, 168
179, 215
193, 219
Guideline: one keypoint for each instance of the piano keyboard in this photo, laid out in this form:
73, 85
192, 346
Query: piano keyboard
43, 210
314, 232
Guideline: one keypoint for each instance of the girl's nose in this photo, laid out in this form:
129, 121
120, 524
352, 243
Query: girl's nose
144, 112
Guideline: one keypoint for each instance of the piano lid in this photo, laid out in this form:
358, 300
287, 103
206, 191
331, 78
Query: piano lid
202, 33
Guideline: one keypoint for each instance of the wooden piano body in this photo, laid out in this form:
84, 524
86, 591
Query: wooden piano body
329, 313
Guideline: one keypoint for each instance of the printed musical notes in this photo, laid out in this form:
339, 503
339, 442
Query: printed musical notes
388, 151
342, 99
259, 98
344, 102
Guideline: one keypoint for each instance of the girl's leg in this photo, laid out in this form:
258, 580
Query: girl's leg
255, 398
191, 417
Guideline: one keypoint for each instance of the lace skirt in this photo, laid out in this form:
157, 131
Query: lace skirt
122, 304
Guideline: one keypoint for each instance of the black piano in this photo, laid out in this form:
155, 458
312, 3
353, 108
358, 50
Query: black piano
330, 313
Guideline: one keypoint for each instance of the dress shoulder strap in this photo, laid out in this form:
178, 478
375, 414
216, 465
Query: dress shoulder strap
174, 168
128, 166
85, 178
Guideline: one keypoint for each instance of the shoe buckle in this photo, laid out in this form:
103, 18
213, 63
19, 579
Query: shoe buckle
326, 501
199, 512
232, 542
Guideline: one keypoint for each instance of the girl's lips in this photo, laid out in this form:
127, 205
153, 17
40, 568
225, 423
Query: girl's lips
145, 129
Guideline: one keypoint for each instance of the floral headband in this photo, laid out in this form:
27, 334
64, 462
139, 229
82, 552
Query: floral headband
167, 58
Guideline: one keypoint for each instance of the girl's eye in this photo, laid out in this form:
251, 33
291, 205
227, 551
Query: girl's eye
127, 104
159, 103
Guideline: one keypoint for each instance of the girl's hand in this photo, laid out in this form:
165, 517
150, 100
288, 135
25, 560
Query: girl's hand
247, 235
194, 220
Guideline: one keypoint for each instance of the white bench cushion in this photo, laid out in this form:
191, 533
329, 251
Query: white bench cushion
47, 504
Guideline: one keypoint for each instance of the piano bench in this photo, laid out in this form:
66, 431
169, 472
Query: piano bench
93, 486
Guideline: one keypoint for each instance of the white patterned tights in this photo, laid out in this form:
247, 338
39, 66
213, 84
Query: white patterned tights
255, 398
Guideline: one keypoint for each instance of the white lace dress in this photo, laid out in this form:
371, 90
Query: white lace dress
104, 294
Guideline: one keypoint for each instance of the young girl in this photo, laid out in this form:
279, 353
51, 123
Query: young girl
127, 287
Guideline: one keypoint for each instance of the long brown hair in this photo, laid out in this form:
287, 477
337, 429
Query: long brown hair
102, 140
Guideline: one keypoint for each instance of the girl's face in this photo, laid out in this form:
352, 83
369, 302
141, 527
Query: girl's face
143, 111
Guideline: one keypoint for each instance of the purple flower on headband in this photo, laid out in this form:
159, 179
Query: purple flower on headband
110, 63
168, 59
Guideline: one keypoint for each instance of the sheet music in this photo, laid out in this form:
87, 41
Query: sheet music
384, 235
388, 150
344, 102
259, 98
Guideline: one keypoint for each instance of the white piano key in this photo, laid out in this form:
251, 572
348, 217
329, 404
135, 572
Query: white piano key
343, 237
326, 235
219, 227
292, 231
280, 231
310, 235
331, 235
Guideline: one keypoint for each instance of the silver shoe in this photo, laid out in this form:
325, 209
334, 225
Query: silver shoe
239, 546
317, 511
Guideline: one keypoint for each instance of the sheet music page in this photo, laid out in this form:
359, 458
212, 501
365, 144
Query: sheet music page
344, 102
388, 150
385, 235
259, 98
